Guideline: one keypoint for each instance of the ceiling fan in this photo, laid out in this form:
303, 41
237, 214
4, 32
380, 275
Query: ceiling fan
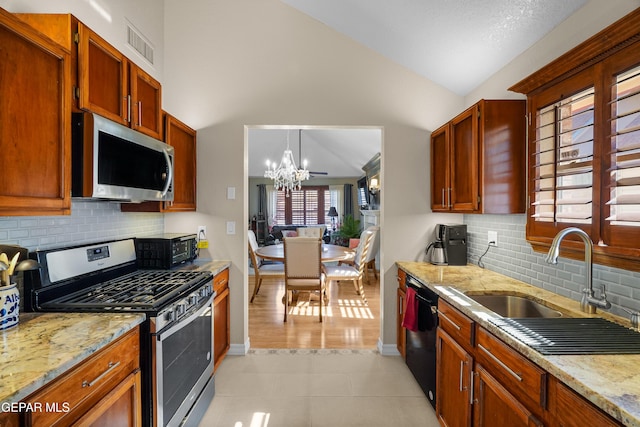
300, 156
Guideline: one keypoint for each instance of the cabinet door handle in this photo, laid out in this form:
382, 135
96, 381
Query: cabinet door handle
461, 372
449, 197
128, 108
111, 367
443, 197
139, 113
471, 388
500, 362
440, 314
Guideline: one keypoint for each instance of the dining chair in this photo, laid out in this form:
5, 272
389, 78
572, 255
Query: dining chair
260, 269
303, 269
355, 271
310, 232
370, 261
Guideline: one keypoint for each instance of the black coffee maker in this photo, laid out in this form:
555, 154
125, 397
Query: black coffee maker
454, 241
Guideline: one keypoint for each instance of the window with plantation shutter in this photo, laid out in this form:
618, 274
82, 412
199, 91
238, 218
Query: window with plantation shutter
307, 206
563, 160
624, 194
584, 146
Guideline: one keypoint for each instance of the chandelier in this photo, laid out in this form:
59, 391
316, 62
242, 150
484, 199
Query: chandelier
287, 176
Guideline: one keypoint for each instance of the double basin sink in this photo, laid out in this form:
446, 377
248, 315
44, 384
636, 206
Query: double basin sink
551, 332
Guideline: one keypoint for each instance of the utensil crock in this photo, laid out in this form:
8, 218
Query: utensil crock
9, 306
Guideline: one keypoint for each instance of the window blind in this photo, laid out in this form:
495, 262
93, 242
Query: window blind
624, 174
563, 160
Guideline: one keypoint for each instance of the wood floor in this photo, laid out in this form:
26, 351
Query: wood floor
347, 322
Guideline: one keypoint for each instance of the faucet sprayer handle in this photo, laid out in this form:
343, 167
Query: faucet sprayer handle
603, 293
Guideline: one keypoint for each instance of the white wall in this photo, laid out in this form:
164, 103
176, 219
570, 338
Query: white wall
231, 63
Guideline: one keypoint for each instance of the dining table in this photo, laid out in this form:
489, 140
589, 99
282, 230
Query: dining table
328, 253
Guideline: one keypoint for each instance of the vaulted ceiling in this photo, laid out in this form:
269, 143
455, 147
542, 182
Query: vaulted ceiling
455, 43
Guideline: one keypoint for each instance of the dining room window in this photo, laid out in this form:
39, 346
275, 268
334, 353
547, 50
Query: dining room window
307, 206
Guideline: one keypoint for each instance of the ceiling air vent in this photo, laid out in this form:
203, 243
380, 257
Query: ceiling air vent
139, 43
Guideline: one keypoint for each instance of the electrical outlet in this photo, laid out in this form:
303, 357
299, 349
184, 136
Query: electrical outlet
202, 232
492, 237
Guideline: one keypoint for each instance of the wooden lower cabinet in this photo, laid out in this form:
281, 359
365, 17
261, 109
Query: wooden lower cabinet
103, 390
221, 318
401, 333
121, 407
9, 419
453, 382
571, 410
495, 406
508, 389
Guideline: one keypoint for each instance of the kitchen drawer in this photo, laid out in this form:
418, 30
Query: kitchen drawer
76, 391
221, 281
521, 377
456, 324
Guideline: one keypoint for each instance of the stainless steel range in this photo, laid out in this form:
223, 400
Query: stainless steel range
177, 337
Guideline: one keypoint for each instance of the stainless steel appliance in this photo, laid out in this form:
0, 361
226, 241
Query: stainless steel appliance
454, 242
111, 161
177, 337
421, 344
435, 253
166, 250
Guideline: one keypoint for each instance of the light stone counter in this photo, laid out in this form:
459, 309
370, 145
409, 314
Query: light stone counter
611, 382
214, 266
45, 345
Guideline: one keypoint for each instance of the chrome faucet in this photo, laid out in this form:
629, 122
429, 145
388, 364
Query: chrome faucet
589, 302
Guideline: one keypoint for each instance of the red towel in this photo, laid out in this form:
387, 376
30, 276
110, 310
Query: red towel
410, 319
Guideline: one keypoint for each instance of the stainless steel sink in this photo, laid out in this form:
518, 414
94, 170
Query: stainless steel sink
513, 306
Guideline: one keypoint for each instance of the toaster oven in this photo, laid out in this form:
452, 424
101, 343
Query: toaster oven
165, 251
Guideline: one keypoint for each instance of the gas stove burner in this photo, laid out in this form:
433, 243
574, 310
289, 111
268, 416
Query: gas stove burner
140, 290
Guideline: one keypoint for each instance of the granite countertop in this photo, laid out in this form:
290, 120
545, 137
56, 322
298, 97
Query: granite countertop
611, 382
214, 266
44, 345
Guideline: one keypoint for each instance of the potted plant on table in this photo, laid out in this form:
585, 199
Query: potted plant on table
350, 229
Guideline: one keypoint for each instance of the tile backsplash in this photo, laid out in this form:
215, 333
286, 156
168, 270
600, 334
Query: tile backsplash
514, 258
89, 222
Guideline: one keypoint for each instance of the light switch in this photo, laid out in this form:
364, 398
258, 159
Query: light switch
231, 193
231, 227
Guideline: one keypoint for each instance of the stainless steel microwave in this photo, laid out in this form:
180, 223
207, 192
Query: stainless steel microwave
113, 162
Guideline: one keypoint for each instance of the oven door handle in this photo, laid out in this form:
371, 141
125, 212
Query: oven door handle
167, 332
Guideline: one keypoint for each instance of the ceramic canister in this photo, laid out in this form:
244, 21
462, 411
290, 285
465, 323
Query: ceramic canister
9, 306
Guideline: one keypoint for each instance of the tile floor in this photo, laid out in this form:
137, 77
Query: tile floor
298, 388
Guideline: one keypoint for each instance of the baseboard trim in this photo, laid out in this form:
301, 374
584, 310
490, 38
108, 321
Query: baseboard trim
388, 349
239, 349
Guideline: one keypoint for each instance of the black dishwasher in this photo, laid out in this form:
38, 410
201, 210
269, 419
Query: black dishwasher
421, 344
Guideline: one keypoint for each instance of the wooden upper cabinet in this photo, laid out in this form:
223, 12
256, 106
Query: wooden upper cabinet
35, 122
440, 169
107, 83
146, 102
464, 178
478, 160
183, 139
102, 77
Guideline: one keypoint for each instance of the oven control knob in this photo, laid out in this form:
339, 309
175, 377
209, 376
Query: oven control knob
170, 316
193, 299
180, 309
